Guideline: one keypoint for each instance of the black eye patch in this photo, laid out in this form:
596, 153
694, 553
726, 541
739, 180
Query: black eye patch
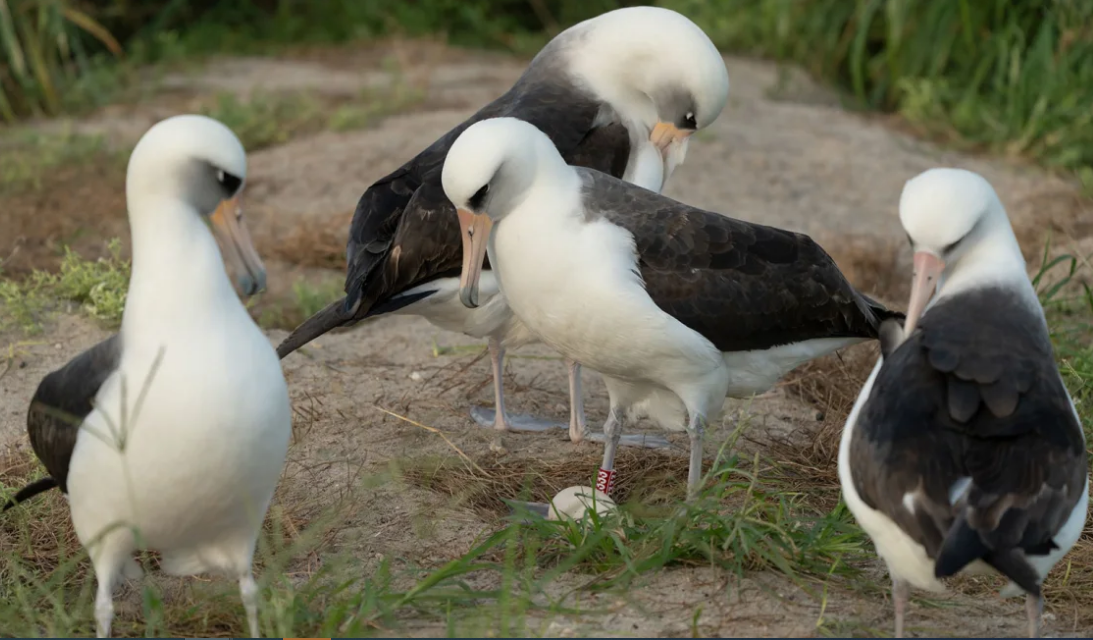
228, 181
479, 198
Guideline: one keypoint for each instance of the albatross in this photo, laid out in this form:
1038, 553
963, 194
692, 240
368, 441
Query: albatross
676, 307
171, 434
964, 450
621, 93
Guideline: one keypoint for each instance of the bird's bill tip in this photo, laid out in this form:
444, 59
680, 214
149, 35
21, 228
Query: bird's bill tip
665, 133
235, 243
474, 228
928, 267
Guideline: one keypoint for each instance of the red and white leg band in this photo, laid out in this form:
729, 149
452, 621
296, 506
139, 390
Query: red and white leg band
605, 479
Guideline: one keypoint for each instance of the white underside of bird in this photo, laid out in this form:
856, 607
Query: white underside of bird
182, 457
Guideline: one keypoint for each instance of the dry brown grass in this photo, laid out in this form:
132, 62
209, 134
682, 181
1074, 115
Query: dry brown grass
318, 242
37, 539
878, 267
46, 538
641, 475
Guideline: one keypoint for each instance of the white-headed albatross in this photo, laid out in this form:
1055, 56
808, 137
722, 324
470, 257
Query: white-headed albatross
964, 449
675, 306
620, 93
171, 435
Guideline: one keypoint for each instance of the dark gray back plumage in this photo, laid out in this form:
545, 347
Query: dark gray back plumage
742, 285
405, 232
973, 393
63, 400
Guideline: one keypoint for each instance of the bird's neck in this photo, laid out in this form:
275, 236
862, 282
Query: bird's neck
996, 261
178, 275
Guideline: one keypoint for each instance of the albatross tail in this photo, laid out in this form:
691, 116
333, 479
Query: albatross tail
31, 490
882, 312
330, 317
963, 545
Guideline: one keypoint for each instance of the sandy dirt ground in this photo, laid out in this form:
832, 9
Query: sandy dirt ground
784, 153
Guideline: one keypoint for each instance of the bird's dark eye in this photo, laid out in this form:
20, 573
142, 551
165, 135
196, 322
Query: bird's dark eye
478, 198
689, 121
228, 181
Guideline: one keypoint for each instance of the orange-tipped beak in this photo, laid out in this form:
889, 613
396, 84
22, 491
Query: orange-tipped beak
664, 134
475, 230
928, 268
235, 244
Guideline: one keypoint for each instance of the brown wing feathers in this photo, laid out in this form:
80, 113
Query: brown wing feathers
743, 286
61, 402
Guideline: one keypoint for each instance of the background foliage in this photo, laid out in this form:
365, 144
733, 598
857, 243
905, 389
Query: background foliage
1015, 77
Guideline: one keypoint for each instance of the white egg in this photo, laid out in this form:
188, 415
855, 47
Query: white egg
574, 502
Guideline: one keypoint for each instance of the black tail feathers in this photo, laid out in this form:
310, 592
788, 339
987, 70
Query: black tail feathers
882, 312
963, 545
330, 317
31, 490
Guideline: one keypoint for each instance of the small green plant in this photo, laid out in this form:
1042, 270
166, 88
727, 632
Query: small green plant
266, 119
97, 286
307, 300
27, 156
270, 118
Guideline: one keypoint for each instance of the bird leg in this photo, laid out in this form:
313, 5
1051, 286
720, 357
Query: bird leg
106, 573
900, 595
695, 429
498, 418
1034, 608
248, 592
612, 432
104, 610
577, 427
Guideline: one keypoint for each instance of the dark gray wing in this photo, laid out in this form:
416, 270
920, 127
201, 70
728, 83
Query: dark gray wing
405, 232
63, 400
741, 285
975, 393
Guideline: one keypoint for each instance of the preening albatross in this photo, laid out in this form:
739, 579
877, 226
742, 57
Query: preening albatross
964, 449
675, 306
171, 434
620, 93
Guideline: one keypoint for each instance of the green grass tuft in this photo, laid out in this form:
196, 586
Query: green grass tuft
27, 156
97, 286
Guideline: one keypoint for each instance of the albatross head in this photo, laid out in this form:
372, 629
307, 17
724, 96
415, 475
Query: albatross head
949, 216
656, 68
487, 171
199, 162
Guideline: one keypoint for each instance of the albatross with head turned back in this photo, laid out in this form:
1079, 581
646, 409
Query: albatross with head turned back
621, 93
171, 434
675, 306
964, 450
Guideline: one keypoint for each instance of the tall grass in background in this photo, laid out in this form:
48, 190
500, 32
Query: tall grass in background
1012, 77
44, 51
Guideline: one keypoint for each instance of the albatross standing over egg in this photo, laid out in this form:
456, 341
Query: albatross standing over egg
675, 306
964, 448
620, 93
171, 435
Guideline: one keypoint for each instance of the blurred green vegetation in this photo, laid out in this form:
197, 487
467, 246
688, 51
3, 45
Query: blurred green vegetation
1012, 77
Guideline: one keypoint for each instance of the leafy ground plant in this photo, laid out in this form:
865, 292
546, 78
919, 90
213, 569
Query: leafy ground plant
97, 287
